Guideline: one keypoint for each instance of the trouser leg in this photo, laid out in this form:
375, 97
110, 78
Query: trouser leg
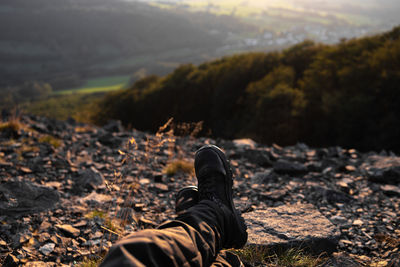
193, 239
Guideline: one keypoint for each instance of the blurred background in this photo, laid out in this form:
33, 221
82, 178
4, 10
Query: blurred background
285, 71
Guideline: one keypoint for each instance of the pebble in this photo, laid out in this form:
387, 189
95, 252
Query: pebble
69, 229
358, 222
47, 249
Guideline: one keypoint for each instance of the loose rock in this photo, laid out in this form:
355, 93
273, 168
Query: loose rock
25, 197
391, 190
89, 179
47, 249
287, 167
68, 229
383, 169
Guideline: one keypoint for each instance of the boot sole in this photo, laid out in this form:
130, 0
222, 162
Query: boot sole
191, 192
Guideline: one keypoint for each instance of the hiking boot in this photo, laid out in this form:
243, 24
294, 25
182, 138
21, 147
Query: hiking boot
215, 182
186, 198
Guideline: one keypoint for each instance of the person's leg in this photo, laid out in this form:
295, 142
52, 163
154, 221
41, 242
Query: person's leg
198, 234
174, 244
186, 198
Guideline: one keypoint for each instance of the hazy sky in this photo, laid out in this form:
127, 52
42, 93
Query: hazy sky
363, 3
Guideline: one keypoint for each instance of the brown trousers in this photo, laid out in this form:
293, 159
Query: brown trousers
195, 238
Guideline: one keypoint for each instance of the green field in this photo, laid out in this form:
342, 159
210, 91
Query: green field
98, 85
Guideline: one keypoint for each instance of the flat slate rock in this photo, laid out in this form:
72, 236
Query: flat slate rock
25, 197
288, 167
68, 229
382, 169
291, 226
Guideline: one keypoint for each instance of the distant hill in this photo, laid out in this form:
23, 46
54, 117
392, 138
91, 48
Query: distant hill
64, 43
287, 22
67, 39
345, 94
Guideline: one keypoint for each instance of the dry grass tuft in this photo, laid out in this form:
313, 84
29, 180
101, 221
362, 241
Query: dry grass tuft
179, 166
112, 226
55, 142
297, 258
96, 213
90, 262
293, 257
254, 256
12, 125
26, 148
83, 129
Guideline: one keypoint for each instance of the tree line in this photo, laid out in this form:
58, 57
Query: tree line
346, 94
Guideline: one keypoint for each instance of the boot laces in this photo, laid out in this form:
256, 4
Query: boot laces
207, 190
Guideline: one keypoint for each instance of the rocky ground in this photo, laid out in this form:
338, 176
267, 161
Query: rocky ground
68, 190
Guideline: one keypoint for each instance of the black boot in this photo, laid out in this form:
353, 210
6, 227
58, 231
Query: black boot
186, 198
215, 182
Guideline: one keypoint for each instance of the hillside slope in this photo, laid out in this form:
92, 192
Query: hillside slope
45, 39
68, 189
